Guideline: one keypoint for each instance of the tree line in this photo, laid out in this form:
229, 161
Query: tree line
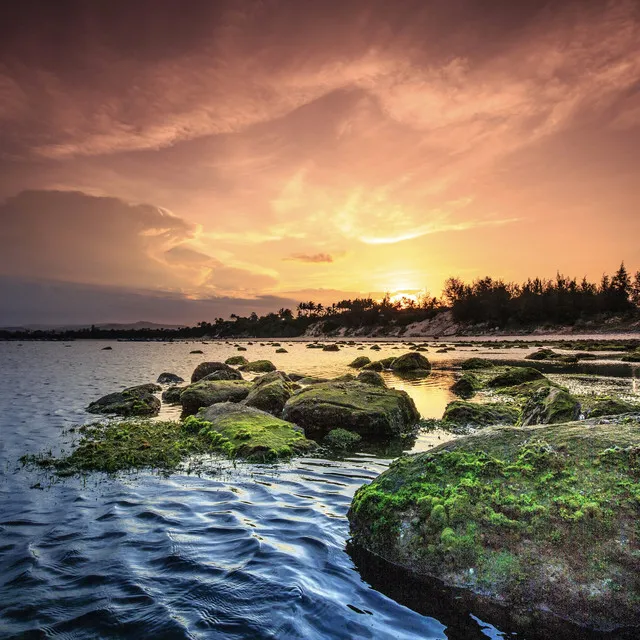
485, 301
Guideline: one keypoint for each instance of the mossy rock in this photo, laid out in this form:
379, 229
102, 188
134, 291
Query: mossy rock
172, 395
281, 350
341, 439
550, 405
387, 363
476, 363
515, 376
315, 345
371, 377
222, 374
371, 411
376, 365
466, 386
543, 354
410, 363
610, 407
196, 351
133, 401
241, 348
205, 393
259, 366
360, 362
475, 415
270, 393
331, 347
538, 519
252, 434
375, 347
236, 360
169, 378
307, 380
205, 368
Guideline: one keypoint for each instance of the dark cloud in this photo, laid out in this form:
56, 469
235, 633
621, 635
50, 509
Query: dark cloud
310, 257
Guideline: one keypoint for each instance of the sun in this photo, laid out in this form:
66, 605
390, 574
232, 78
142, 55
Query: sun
403, 297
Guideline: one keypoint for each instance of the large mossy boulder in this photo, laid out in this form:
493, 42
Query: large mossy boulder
473, 364
222, 374
259, 366
515, 376
371, 411
133, 401
476, 415
412, 362
236, 360
360, 362
270, 392
543, 520
550, 405
207, 392
252, 434
207, 368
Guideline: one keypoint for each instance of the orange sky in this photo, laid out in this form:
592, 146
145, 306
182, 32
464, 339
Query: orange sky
250, 154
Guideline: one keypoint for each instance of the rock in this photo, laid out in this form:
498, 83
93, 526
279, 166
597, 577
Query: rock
345, 377
205, 393
368, 410
359, 362
270, 393
258, 366
476, 363
514, 376
376, 365
241, 348
296, 377
542, 354
106, 349
315, 345
611, 407
205, 368
236, 360
375, 347
517, 516
331, 347
550, 405
387, 363
312, 380
172, 395
223, 374
341, 439
466, 386
371, 377
197, 351
410, 363
253, 434
476, 415
169, 378
134, 401
281, 350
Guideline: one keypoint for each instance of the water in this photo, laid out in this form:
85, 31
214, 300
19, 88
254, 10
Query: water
246, 551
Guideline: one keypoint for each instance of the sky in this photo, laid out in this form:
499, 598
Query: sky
178, 161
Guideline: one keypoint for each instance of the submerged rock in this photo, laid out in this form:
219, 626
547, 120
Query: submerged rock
252, 434
204, 393
550, 405
169, 378
205, 368
368, 410
134, 401
341, 439
259, 366
532, 518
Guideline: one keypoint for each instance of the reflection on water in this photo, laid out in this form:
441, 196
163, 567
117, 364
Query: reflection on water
246, 551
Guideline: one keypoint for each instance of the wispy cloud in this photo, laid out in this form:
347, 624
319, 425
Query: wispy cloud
310, 257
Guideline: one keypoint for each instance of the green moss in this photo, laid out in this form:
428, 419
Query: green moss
259, 366
341, 439
360, 362
236, 360
514, 504
608, 406
467, 385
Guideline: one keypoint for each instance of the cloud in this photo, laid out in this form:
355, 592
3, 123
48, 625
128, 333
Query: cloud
310, 257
